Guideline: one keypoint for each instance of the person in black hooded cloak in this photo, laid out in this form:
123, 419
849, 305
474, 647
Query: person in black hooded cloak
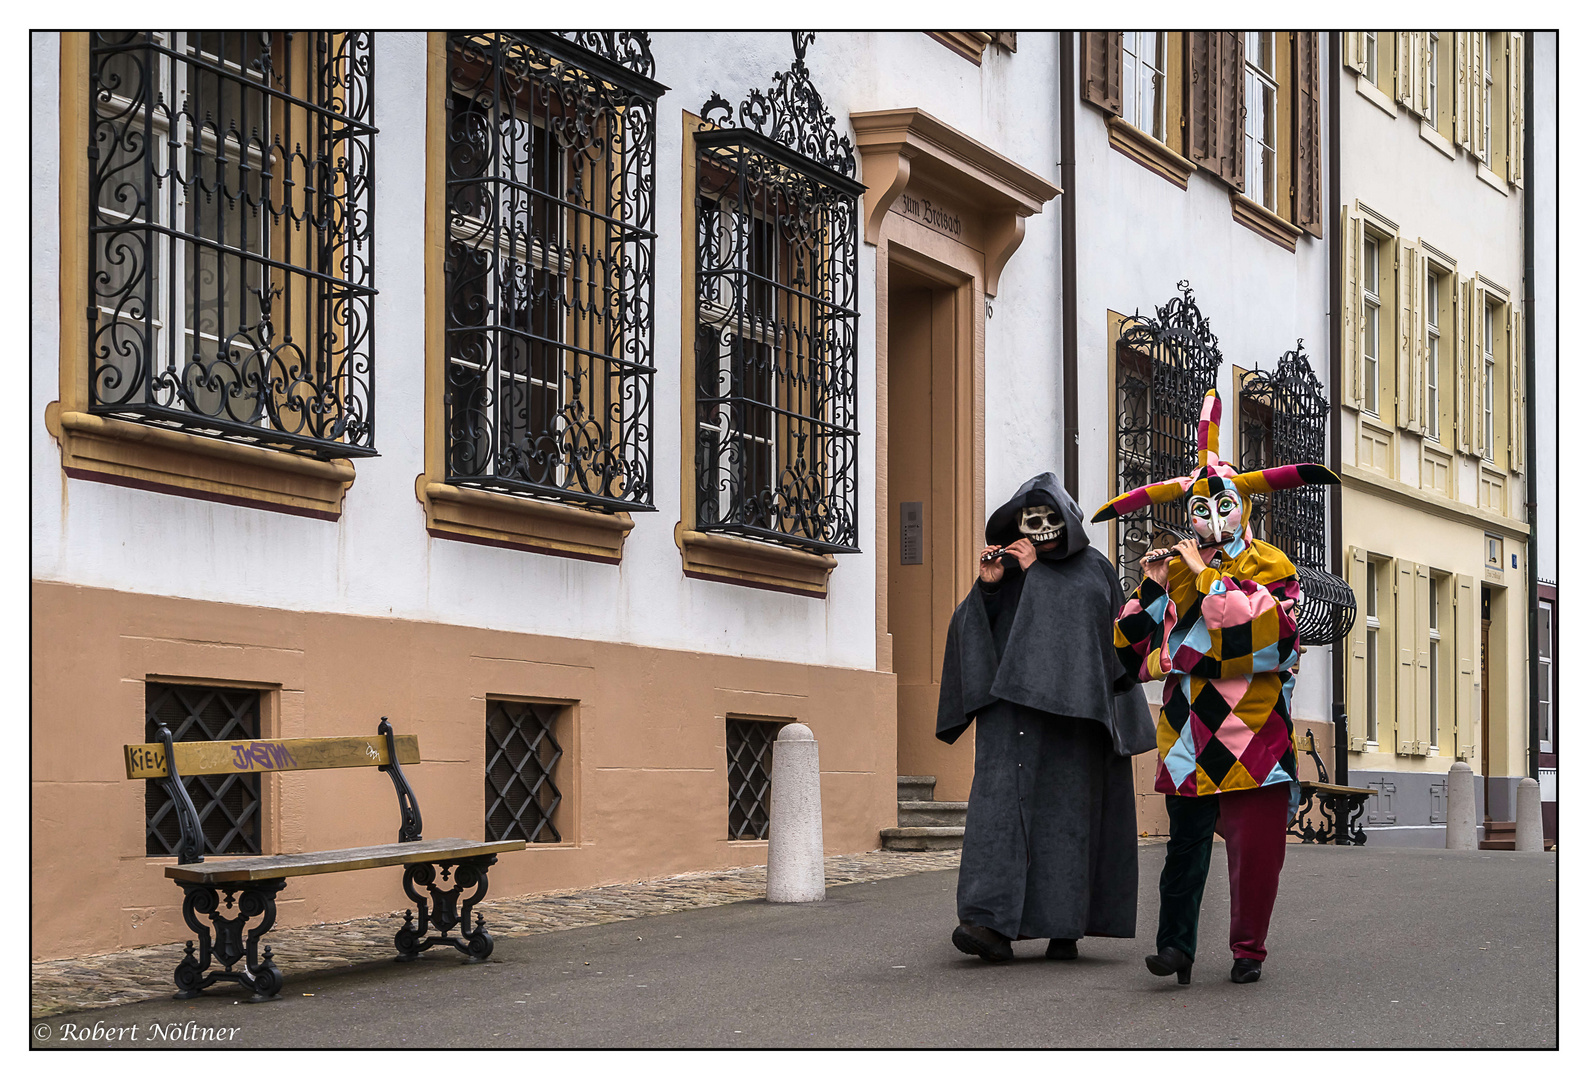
1050, 833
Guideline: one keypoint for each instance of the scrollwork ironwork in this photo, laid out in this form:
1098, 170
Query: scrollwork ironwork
231, 243
777, 321
1164, 365
445, 908
550, 278
233, 941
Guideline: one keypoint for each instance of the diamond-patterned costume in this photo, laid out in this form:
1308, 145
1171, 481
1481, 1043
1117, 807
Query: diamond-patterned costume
1224, 642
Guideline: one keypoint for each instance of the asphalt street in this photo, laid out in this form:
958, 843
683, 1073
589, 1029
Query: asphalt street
1368, 948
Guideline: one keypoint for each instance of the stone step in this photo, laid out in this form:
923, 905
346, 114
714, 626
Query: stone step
924, 838
917, 788
925, 812
1498, 836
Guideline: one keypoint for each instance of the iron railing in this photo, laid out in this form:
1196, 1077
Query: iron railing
1284, 415
228, 806
521, 756
550, 277
1164, 366
777, 318
231, 242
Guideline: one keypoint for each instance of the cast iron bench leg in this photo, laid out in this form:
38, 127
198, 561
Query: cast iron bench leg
443, 911
230, 945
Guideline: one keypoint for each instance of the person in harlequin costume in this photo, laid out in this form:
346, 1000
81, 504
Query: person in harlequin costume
1213, 617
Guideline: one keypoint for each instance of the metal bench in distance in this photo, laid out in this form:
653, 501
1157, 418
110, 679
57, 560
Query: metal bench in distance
1340, 807
250, 883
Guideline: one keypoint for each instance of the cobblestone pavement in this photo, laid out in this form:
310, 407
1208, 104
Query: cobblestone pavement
93, 982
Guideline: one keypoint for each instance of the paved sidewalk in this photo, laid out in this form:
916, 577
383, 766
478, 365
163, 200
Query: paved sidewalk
1368, 948
118, 978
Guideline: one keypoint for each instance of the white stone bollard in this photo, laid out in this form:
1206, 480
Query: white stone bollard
1529, 817
795, 873
1461, 809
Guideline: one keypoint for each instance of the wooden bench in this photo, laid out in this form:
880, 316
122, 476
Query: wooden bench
1340, 807
250, 883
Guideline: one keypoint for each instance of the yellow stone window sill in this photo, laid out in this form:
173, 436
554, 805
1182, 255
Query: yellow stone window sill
1148, 152
737, 561
128, 454
1263, 221
521, 523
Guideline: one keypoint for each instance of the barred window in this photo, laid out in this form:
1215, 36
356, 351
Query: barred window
521, 757
776, 319
228, 806
231, 245
750, 777
1163, 367
551, 175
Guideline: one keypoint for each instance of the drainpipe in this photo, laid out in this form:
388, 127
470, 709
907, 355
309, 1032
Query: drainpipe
1342, 732
1529, 200
1071, 432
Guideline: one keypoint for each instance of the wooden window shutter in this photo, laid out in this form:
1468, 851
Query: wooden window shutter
1405, 66
1351, 314
1102, 63
1477, 304
1514, 119
1357, 689
1475, 41
1406, 655
1232, 108
1353, 49
1424, 642
1201, 62
1461, 368
1308, 168
1409, 338
1466, 617
1420, 103
1462, 52
1514, 389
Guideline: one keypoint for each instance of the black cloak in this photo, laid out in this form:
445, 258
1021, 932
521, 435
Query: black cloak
1050, 832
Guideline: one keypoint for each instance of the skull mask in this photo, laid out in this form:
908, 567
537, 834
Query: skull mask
1040, 524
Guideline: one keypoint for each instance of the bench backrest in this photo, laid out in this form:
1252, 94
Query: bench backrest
169, 762
146, 761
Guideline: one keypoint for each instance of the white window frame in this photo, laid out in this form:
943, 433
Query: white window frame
1370, 55
1488, 99
1371, 668
1262, 119
1432, 104
1546, 680
1372, 338
1146, 103
1431, 304
169, 202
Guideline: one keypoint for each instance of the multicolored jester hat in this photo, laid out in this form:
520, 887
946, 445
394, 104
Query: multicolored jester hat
1218, 496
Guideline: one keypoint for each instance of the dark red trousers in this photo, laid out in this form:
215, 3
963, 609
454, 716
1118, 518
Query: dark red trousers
1253, 825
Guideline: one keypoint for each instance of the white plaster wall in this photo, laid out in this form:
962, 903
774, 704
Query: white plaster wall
377, 559
1138, 235
1546, 310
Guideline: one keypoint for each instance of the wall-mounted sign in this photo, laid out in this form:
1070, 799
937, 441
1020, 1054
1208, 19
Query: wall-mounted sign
933, 215
910, 534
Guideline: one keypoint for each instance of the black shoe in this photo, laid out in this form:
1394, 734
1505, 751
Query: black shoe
990, 945
1171, 961
1246, 971
1062, 948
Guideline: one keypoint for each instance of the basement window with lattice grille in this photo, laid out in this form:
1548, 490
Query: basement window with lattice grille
228, 806
521, 756
750, 777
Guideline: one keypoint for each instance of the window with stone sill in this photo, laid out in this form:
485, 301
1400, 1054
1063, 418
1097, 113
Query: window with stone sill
231, 235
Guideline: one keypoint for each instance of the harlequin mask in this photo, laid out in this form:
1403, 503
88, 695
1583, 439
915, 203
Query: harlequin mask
1217, 496
1039, 524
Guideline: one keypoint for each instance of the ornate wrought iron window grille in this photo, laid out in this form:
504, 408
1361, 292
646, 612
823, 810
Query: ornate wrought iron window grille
521, 756
777, 319
1164, 366
550, 278
228, 806
231, 244
1283, 417
750, 777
